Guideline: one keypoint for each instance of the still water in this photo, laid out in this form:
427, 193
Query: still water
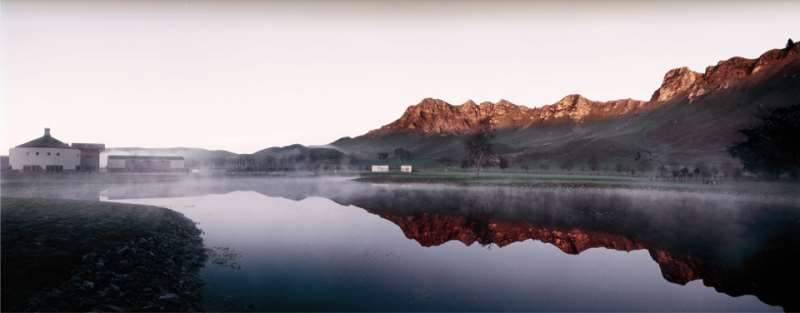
334, 244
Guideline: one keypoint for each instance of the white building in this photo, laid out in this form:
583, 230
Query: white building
44, 154
406, 168
379, 168
145, 163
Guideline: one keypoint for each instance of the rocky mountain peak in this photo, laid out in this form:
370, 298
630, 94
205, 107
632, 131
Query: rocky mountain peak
683, 82
435, 116
469, 104
676, 81
431, 103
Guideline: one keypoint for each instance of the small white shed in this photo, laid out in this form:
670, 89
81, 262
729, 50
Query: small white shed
406, 168
379, 168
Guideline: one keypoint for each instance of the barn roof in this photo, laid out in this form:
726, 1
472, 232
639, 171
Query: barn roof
145, 157
45, 141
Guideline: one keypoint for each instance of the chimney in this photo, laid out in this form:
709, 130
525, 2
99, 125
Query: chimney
47, 132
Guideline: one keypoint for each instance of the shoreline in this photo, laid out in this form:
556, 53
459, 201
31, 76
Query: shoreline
577, 182
74, 255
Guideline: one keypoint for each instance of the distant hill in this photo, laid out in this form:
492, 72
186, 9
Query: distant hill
293, 157
690, 119
299, 157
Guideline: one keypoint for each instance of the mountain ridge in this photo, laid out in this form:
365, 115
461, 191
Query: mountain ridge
691, 120
435, 116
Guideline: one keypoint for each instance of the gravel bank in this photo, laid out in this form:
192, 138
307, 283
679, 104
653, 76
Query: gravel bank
68, 255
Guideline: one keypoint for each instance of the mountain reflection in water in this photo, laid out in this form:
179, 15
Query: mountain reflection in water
739, 245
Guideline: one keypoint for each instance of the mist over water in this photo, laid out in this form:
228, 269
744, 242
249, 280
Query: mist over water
331, 243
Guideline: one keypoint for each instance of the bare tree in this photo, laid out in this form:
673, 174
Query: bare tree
478, 146
503, 163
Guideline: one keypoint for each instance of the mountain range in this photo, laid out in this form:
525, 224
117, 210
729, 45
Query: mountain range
692, 118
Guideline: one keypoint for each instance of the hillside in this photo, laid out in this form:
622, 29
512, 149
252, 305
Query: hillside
299, 157
691, 118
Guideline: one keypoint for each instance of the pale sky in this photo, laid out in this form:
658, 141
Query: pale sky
246, 75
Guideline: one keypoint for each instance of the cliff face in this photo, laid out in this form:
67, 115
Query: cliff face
737, 71
433, 116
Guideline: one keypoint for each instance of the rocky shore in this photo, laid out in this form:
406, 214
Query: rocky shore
67, 255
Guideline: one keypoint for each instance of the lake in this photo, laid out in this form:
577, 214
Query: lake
304, 244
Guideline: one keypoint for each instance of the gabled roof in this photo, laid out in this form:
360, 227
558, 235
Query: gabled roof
45, 141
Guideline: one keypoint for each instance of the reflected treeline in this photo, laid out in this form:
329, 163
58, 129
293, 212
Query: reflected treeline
737, 244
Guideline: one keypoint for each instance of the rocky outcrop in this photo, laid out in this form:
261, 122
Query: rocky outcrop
683, 83
676, 82
434, 116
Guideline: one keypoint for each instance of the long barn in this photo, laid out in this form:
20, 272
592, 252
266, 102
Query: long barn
145, 163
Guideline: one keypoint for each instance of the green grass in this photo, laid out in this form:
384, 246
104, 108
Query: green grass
580, 180
493, 177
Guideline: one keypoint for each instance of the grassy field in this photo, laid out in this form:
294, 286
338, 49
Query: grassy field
582, 180
500, 178
69, 255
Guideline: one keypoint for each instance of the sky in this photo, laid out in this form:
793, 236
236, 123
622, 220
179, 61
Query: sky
246, 75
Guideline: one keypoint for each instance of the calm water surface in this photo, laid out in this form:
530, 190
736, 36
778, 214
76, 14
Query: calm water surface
332, 244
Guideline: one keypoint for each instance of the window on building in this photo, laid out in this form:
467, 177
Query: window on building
48, 153
58, 153
37, 153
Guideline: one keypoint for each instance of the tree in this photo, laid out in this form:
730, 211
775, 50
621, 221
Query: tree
663, 171
503, 163
383, 156
789, 44
402, 154
685, 172
702, 169
771, 148
566, 165
478, 147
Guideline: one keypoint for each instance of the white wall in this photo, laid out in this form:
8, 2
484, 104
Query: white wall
69, 159
115, 163
176, 164
380, 168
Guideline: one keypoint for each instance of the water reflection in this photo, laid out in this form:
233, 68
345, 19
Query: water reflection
320, 242
736, 245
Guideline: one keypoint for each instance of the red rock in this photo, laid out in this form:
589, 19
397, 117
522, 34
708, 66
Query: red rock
434, 116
